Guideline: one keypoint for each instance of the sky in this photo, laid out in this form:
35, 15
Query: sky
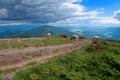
60, 12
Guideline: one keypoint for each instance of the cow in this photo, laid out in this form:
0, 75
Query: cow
63, 35
95, 38
74, 38
81, 38
48, 35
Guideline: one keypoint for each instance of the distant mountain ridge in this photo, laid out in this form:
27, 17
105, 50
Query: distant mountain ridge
17, 27
26, 31
42, 32
9, 33
112, 33
10, 30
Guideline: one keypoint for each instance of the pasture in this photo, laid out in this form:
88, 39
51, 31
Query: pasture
36, 42
101, 64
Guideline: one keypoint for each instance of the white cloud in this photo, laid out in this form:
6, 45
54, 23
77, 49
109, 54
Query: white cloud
117, 15
88, 21
91, 19
106, 21
88, 14
2, 23
76, 7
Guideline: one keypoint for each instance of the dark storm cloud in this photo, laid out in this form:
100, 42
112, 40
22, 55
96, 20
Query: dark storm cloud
41, 11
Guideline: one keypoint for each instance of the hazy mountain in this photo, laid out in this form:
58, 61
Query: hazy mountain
114, 32
8, 31
43, 30
103, 32
17, 27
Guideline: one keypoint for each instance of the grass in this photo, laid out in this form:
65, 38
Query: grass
8, 70
15, 43
88, 63
31, 63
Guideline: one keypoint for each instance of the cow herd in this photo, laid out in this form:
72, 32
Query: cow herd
76, 37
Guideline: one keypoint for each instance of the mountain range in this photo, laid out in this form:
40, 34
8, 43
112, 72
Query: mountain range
104, 32
31, 31
25, 31
42, 31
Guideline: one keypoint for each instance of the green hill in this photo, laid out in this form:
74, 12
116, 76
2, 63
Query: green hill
42, 32
9, 33
97, 61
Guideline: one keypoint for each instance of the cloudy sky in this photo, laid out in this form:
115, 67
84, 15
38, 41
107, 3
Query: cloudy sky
60, 12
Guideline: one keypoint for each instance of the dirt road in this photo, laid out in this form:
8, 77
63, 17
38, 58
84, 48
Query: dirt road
11, 58
19, 58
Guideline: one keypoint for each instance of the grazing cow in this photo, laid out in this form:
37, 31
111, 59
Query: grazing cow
95, 38
63, 35
81, 38
74, 38
48, 35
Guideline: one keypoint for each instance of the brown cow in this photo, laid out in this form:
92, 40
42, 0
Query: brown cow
74, 38
63, 35
81, 38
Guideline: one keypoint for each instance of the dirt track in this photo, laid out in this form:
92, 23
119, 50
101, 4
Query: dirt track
11, 58
19, 58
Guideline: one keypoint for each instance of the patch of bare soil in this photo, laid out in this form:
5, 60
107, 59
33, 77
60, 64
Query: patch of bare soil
12, 58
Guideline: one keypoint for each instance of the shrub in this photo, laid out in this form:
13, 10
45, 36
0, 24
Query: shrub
34, 76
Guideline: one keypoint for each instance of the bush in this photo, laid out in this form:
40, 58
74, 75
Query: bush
34, 76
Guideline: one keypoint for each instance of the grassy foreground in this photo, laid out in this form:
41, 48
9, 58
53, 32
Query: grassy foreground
17, 43
89, 63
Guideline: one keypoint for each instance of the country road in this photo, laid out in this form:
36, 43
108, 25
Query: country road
19, 58
11, 58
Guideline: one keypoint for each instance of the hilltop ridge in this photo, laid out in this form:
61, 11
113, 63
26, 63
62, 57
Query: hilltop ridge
42, 31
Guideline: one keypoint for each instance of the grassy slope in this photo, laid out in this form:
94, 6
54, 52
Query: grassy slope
84, 64
14, 43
